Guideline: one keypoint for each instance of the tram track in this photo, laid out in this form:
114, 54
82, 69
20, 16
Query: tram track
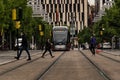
21, 65
69, 67
118, 61
17, 65
99, 70
107, 63
48, 68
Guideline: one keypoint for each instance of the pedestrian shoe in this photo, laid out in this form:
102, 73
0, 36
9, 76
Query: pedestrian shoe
42, 57
16, 58
52, 56
28, 59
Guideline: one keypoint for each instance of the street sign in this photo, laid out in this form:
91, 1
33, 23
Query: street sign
72, 31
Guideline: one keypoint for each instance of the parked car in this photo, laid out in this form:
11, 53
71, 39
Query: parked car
17, 46
106, 45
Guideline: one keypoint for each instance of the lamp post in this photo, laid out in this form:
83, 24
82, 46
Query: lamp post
17, 25
41, 34
101, 33
72, 30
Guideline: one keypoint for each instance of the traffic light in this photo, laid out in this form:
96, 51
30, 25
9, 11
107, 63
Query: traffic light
14, 14
20, 13
40, 27
41, 33
17, 24
101, 33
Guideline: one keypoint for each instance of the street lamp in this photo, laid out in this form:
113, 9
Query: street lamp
101, 33
41, 34
72, 29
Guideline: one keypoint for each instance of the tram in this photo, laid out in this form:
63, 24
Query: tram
60, 38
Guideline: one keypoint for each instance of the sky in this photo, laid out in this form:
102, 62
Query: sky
91, 2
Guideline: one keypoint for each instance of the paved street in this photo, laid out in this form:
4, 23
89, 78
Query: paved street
69, 31
8, 56
71, 63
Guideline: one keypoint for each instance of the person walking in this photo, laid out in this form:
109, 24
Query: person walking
47, 48
24, 46
92, 44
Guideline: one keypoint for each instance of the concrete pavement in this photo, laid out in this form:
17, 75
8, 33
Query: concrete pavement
8, 56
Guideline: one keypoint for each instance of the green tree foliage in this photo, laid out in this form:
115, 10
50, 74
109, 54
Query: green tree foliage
29, 24
84, 35
110, 22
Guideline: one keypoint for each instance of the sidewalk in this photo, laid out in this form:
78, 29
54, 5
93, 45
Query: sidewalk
115, 52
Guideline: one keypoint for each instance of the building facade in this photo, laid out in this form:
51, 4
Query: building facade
100, 6
103, 4
62, 12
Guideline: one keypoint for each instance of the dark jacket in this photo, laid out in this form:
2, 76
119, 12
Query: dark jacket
24, 41
93, 42
47, 45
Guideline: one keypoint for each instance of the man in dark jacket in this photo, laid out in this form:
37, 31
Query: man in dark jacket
47, 48
24, 46
92, 44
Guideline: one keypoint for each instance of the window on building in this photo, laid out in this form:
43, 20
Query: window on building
30, 3
75, 1
74, 6
65, 22
67, 1
66, 7
82, 16
61, 15
43, 6
50, 15
55, 6
82, 1
70, 7
50, 1
103, 1
53, 1
42, 1
48, 8
63, 8
59, 8
35, 3
58, 1
51, 8
78, 7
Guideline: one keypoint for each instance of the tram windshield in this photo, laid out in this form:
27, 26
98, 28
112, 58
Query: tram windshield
60, 37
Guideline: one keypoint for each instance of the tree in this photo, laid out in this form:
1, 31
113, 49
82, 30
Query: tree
84, 35
110, 22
